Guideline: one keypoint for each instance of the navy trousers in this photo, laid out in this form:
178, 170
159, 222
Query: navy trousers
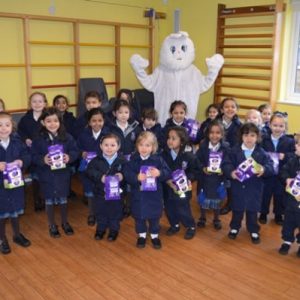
141, 225
290, 224
251, 221
179, 210
273, 187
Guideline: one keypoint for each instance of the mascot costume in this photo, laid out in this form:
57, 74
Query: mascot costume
176, 78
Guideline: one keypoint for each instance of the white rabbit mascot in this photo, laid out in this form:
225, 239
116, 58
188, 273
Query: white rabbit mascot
176, 78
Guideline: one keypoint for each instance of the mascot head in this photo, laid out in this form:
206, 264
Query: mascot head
177, 51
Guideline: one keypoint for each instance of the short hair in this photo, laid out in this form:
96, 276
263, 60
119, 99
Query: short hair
110, 136
247, 128
95, 111
144, 135
55, 99
149, 113
229, 99
92, 94
177, 103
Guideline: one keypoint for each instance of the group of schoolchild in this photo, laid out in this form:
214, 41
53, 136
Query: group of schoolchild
129, 166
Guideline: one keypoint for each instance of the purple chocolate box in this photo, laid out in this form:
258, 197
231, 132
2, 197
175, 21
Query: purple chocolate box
192, 127
56, 154
112, 188
214, 162
149, 184
12, 176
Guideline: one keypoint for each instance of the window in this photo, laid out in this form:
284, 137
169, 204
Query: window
293, 71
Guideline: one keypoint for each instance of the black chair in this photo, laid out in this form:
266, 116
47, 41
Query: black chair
142, 99
91, 84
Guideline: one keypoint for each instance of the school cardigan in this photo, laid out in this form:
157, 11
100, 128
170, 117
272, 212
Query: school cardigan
12, 200
210, 182
247, 195
54, 183
146, 204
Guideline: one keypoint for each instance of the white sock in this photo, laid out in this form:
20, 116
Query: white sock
177, 225
233, 231
288, 243
254, 235
143, 235
154, 235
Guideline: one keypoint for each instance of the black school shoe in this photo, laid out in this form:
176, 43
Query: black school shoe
217, 224
190, 233
233, 234
21, 240
91, 220
284, 249
4, 247
278, 219
255, 238
112, 236
156, 243
67, 228
172, 230
99, 234
141, 242
263, 219
53, 231
201, 223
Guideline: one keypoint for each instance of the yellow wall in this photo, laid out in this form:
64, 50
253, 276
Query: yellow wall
198, 18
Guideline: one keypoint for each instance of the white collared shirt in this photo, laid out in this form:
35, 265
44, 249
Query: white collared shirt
123, 128
96, 134
178, 124
214, 148
144, 157
5, 144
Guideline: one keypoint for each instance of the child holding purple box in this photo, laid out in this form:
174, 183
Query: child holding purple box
178, 190
14, 156
247, 190
52, 153
145, 172
106, 173
211, 184
89, 144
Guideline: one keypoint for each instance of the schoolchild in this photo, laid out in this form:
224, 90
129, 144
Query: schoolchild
278, 144
108, 206
12, 151
52, 153
247, 190
89, 144
212, 183
292, 202
28, 128
145, 172
61, 103
92, 99
178, 189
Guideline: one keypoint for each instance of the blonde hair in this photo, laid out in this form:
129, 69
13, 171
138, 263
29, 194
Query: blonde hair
255, 111
40, 94
148, 135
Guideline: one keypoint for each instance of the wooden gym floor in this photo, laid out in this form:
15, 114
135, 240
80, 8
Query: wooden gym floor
208, 267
